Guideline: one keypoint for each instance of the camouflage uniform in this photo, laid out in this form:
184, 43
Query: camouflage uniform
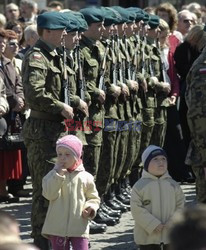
196, 100
91, 55
43, 93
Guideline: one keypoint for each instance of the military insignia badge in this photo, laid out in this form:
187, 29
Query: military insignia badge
37, 56
146, 202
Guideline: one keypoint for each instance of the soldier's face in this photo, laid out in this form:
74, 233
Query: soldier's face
71, 39
130, 29
96, 30
55, 36
108, 31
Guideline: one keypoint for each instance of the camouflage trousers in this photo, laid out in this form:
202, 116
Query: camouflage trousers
40, 138
134, 138
106, 163
121, 146
200, 184
159, 131
146, 132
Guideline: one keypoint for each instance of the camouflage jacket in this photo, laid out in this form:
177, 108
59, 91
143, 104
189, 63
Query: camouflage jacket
196, 101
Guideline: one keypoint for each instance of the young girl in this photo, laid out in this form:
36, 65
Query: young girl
73, 197
154, 199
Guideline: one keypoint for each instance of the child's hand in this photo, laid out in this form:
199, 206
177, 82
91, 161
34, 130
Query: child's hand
60, 169
88, 212
159, 228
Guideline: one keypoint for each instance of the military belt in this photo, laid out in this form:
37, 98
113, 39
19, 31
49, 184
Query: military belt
46, 116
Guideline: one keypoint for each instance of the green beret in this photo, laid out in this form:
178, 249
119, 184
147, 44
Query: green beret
75, 21
93, 14
139, 13
145, 18
154, 21
83, 26
127, 16
111, 16
51, 20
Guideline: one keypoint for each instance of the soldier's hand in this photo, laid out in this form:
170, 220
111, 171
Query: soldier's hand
166, 87
154, 80
102, 96
117, 91
83, 107
67, 112
133, 85
125, 90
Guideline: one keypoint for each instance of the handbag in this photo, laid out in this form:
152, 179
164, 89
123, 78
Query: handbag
13, 141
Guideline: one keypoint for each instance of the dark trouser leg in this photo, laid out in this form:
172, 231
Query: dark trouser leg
200, 184
106, 162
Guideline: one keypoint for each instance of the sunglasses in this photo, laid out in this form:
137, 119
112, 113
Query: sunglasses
13, 44
187, 21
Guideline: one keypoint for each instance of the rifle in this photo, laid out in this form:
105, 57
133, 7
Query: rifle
81, 80
65, 77
103, 67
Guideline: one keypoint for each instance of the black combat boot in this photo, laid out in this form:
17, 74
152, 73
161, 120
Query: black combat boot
119, 191
103, 218
95, 228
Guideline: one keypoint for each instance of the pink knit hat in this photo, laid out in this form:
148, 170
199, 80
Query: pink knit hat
72, 143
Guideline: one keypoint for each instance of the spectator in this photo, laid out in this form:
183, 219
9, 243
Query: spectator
168, 13
185, 22
188, 229
56, 6
12, 12
28, 11
154, 199
68, 185
10, 161
9, 229
2, 21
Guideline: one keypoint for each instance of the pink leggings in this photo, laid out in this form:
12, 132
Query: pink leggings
62, 243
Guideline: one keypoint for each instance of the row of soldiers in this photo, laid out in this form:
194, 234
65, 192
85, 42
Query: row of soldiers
96, 73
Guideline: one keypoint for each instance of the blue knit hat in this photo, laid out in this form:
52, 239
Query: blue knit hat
151, 152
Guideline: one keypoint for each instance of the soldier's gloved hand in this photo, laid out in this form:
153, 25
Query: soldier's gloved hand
125, 89
102, 96
117, 91
67, 112
166, 87
154, 80
133, 85
83, 107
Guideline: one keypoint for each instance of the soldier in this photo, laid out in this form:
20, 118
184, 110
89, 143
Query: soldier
111, 113
42, 81
91, 54
161, 85
196, 115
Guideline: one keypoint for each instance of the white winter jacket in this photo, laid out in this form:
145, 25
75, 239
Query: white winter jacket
154, 201
68, 196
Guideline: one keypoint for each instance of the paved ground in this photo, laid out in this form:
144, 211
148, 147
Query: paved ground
117, 237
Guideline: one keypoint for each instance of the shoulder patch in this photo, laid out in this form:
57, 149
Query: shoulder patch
37, 56
202, 71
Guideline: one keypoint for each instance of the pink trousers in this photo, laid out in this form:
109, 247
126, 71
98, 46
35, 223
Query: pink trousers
62, 243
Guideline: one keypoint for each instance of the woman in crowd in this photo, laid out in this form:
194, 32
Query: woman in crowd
10, 160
